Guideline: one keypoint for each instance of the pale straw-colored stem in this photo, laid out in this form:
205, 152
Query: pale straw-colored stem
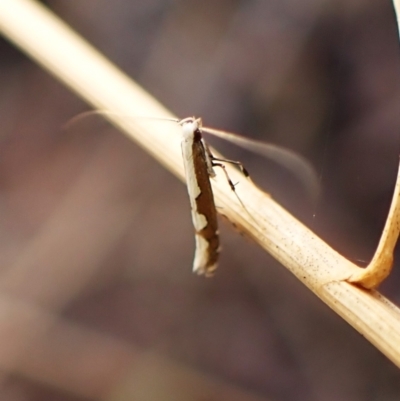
381, 264
70, 59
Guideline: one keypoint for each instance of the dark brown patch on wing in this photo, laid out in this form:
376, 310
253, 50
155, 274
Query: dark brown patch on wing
205, 201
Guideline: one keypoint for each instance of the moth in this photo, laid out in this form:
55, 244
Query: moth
199, 166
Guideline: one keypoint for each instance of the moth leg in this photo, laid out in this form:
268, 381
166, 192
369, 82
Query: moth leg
231, 184
236, 163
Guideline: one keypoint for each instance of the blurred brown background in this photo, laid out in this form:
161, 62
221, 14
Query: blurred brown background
97, 299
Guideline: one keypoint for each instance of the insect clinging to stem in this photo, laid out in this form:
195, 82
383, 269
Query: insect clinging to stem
199, 165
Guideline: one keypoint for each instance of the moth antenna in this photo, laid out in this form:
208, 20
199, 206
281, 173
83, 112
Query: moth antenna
72, 121
298, 165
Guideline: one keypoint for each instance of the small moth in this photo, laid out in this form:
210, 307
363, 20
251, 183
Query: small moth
198, 164
197, 161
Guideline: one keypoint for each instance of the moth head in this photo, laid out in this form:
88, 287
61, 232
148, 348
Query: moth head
190, 125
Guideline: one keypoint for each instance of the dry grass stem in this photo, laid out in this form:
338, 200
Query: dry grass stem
382, 262
71, 60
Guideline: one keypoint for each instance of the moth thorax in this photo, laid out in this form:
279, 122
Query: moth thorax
189, 129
